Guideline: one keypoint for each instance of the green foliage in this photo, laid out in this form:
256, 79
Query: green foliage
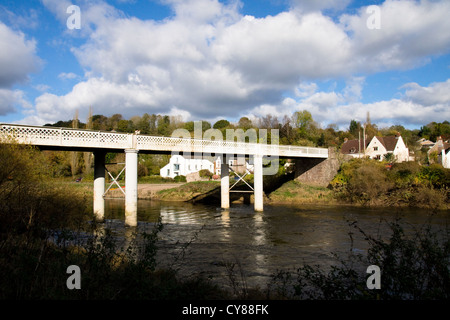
221, 124
205, 173
435, 175
29, 202
370, 182
180, 179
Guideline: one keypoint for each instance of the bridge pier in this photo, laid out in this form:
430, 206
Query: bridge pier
99, 185
258, 182
224, 185
257, 187
131, 187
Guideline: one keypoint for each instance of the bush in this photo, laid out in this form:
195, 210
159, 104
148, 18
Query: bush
205, 173
29, 202
370, 182
362, 180
180, 179
435, 175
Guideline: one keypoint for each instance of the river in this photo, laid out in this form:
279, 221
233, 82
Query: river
206, 240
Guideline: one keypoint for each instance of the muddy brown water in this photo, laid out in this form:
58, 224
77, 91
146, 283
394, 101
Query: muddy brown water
200, 239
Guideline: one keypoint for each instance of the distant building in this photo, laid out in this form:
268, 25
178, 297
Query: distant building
182, 166
377, 148
439, 151
424, 143
354, 148
380, 146
445, 157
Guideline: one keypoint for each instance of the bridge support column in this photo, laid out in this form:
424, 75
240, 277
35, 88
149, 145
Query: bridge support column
225, 185
258, 182
131, 187
99, 185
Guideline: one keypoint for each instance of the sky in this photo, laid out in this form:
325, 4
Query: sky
226, 59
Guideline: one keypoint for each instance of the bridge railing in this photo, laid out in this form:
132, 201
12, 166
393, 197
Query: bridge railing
66, 137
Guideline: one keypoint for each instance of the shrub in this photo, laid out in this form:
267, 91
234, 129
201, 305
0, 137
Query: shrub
205, 173
180, 179
29, 202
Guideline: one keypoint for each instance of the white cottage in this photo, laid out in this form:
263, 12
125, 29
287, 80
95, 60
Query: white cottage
379, 146
182, 166
446, 158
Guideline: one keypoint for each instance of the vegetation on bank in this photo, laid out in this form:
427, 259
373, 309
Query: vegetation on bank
44, 228
375, 183
294, 192
188, 191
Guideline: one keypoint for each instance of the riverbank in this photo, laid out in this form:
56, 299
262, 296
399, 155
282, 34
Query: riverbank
292, 192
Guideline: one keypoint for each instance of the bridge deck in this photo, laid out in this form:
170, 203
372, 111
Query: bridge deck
91, 140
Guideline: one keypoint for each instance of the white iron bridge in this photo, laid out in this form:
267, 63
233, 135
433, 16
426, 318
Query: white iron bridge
91, 140
100, 143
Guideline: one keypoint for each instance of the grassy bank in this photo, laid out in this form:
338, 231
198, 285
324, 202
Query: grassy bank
294, 192
188, 191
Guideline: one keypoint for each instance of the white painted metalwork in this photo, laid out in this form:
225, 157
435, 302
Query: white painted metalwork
66, 137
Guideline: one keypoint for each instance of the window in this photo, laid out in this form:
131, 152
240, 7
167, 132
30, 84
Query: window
375, 148
168, 172
176, 167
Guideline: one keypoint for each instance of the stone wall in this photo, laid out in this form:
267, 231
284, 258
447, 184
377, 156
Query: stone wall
319, 172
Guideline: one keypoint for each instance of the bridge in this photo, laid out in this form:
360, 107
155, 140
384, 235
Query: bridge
101, 142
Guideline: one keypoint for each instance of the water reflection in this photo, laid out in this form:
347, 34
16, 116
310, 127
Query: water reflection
202, 239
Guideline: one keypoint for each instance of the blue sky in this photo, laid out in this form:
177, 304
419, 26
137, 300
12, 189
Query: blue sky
210, 59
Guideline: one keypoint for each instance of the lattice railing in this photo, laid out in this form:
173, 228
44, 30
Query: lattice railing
65, 137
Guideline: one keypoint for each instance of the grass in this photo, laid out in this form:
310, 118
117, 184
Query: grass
188, 190
294, 192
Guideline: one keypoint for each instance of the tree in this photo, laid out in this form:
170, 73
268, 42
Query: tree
304, 122
99, 122
221, 124
113, 121
143, 124
354, 128
125, 126
163, 124
245, 123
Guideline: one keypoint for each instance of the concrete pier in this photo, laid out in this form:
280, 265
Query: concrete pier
258, 182
225, 185
99, 185
131, 187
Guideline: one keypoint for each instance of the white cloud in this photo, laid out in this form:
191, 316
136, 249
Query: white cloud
17, 57
319, 5
209, 61
67, 75
435, 94
10, 99
409, 32
418, 106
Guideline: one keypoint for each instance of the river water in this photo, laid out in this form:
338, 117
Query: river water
205, 240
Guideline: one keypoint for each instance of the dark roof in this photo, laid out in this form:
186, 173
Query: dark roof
389, 142
351, 147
